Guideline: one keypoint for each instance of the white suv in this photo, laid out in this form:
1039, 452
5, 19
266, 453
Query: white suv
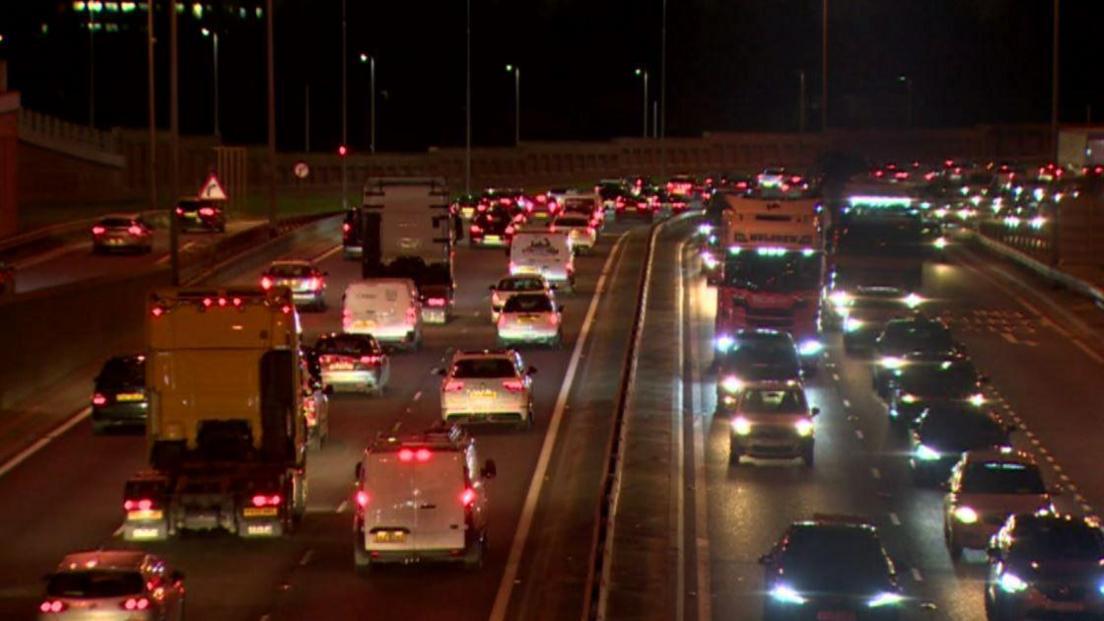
488, 386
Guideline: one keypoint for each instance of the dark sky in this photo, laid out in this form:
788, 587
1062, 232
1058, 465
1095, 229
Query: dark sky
732, 65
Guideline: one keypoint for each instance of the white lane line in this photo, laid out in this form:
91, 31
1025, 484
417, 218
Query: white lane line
701, 484
41, 443
344, 505
1057, 468
417, 395
1087, 508
846, 403
30, 262
835, 376
859, 434
165, 259
916, 575
874, 472
893, 519
680, 446
306, 557
118, 532
513, 561
327, 254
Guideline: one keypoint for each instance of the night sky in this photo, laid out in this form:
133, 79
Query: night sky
732, 65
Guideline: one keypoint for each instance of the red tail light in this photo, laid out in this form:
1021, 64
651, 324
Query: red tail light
286, 309
362, 498
436, 302
207, 302
346, 227
98, 230
742, 185
134, 229
222, 302
371, 359
878, 173
454, 386
52, 605
481, 207
314, 284
157, 311
513, 385
179, 211
142, 504
135, 603
467, 497
476, 229
408, 455
98, 399
266, 283
554, 319
412, 315
261, 500
206, 211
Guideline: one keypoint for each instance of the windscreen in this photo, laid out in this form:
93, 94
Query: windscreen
1002, 478
129, 371
763, 401
520, 284
773, 273
881, 237
347, 345
528, 304
116, 223
912, 336
957, 379
961, 429
94, 584
483, 368
1050, 539
291, 270
848, 560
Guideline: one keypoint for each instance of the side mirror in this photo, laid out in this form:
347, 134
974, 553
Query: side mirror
531, 370
177, 576
815, 411
358, 471
489, 471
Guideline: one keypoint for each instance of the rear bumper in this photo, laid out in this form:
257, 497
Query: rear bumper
121, 414
771, 448
360, 378
485, 418
386, 334
307, 297
528, 336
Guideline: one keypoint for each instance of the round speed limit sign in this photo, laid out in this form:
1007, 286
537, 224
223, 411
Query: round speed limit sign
301, 170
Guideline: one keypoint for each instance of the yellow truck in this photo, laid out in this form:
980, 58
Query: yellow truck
227, 435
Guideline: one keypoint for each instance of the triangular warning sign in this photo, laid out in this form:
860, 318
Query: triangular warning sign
212, 189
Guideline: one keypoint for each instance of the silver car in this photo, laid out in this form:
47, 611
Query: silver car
108, 585
531, 318
582, 231
510, 286
488, 386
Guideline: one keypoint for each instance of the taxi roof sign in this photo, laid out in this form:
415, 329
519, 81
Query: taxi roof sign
212, 189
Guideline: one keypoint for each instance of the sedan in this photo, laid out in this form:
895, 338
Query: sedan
353, 362
119, 398
530, 318
306, 281
944, 432
122, 233
510, 286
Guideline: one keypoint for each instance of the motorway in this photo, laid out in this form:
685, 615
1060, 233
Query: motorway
67, 496
75, 261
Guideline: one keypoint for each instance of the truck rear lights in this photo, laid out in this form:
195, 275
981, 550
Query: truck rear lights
98, 230
513, 385
99, 399
315, 284
135, 603
408, 455
52, 605
346, 227
206, 211
467, 497
157, 311
371, 359
262, 500
140, 504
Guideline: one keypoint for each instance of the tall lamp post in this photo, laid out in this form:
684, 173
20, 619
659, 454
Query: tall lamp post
514, 69
371, 60
824, 66
467, 107
908, 98
343, 148
213, 35
643, 73
801, 101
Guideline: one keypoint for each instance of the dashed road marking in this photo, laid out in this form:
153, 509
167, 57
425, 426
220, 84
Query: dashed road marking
1064, 477
836, 377
344, 505
874, 472
1086, 508
846, 403
893, 519
417, 395
859, 434
916, 575
306, 557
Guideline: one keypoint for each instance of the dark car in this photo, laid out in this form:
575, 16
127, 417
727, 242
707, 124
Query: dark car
866, 312
755, 356
908, 338
351, 234
830, 568
122, 232
944, 432
119, 397
489, 227
464, 206
642, 205
609, 190
931, 382
1045, 565
200, 214
306, 282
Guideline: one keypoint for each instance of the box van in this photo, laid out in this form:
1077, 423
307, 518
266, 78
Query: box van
421, 498
546, 253
386, 308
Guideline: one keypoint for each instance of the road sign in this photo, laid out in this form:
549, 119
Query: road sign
212, 189
301, 170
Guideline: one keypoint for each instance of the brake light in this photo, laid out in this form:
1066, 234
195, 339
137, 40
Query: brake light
98, 399
135, 603
362, 498
286, 309
179, 211
878, 173
504, 201
554, 319
260, 500
436, 301
266, 283
371, 359
467, 497
206, 211
408, 455
314, 283
207, 302
134, 229
513, 385
157, 311
345, 228
476, 229
454, 386
98, 230
412, 315
52, 605
143, 504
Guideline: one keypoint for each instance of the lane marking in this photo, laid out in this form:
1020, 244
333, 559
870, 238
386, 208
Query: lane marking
417, 395
916, 575
165, 259
893, 519
306, 557
525, 522
701, 483
846, 403
118, 532
859, 434
41, 443
877, 474
344, 505
327, 254
680, 445
30, 262
836, 377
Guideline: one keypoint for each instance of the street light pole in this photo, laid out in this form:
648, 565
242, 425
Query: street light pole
467, 107
663, 93
344, 108
908, 98
824, 66
801, 101
91, 65
371, 60
215, 77
1054, 83
174, 138
517, 102
644, 73
152, 104
271, 118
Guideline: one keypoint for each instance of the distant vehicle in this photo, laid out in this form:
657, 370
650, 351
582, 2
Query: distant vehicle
542, 207
351, 234
530, 318
771, 177
487, 386
201, 214
772, 420
306, 281
491, 227
863, 313
582, 231
682, 186
586, 205
944, 432
640, 204
420, 498
609, 190
464, 205
830, 568
119, 399
121, 232
929, 382
760, 355
1044, 564
986, 487
905, 338
353, 362
387, 308
510, 286
113, 584
543, 253
316, 399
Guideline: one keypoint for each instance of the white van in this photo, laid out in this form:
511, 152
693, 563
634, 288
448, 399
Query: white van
386, 308
421, 498
546, 253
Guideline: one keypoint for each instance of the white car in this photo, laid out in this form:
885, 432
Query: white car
530, 318
489, 386
353, 362
510, 286
582, 231
543, 253
387, 308
306, 281
113, 585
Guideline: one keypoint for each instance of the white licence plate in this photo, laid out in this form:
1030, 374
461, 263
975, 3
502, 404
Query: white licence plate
145, 533
492, 238
259, 529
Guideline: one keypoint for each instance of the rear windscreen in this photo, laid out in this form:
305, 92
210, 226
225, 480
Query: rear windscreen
528, 304
484, 368
94, 584
520, 284
291, 270
116, 222
346, 344
130, 371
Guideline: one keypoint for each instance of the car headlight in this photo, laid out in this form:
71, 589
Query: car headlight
1011, 583
785, 594
940, 243
966, 515
926, 453
741, 426
940, 213
891, 362
909, 398
887, 598
850, 324
1100, 588
732, 384
810, 347
840, 299
804, 427
977, 400
708, 259
705, 229
912, 300
724, 342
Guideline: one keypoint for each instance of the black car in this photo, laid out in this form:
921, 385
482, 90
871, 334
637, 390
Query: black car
351, 234
119, 396
491, 227
609, 190
755, 356
925, 382
1045, 565
943, 433
200, 214
908, 338
119, 232
830, 568
866, 312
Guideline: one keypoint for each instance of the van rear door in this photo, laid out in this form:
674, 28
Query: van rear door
439, 489
391, 518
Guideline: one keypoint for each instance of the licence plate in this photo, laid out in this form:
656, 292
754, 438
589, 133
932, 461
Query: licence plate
482, 394
835, 615
340, 366
142, 516
390, 536
259, 511
145, 533
467, 213
364, 324
492, 238
129, 396
114, 241
259, 529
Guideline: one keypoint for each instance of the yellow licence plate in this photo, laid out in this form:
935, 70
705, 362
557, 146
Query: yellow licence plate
141, 516
492, 238
259, 511
340, 366
390, 536
482, 394
364, 324
129, 396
